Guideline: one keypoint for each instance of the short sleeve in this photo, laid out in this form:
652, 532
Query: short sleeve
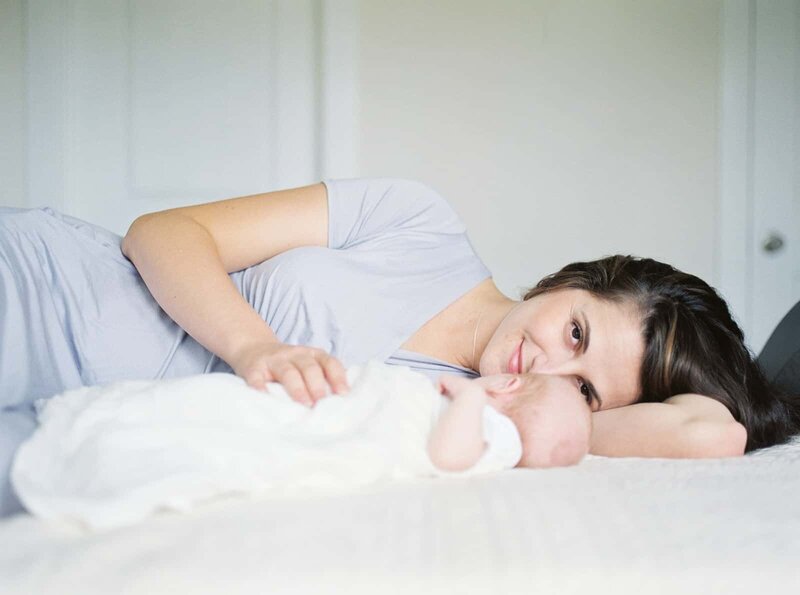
368, 210
503, 443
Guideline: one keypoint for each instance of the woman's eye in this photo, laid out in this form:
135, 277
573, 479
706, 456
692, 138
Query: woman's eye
586, 392
577, 332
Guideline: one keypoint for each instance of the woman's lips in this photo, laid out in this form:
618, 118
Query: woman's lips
515, 361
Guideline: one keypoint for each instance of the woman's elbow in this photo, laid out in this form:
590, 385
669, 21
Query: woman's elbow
147, 228
715, 440
131, 236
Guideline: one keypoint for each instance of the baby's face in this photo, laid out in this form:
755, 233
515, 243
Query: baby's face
552, 417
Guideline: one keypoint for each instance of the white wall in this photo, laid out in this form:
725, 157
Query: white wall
12, 105
560, 130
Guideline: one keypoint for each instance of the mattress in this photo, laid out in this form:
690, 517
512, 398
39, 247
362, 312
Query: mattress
608, 525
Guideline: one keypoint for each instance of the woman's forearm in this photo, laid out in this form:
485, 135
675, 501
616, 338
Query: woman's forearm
684, 426
180, 265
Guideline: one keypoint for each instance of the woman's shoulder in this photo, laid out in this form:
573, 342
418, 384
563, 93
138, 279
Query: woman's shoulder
383, 188
360, 208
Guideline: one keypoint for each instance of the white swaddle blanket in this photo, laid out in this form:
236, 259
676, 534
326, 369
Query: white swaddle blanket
110, 455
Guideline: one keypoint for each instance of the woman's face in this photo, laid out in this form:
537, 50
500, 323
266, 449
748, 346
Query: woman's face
596, 343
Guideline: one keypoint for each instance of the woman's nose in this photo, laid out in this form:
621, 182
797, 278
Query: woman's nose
556, 364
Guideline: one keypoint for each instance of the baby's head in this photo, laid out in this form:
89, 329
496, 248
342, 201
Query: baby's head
552, 417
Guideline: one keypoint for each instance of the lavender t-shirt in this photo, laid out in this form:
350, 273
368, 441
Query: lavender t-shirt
397, 255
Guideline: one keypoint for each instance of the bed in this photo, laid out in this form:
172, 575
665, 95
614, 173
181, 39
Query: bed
645, 526
608, 525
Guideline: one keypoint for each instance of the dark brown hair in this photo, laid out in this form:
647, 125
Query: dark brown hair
692, 343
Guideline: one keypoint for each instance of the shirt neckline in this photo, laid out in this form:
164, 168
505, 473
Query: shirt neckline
421, 356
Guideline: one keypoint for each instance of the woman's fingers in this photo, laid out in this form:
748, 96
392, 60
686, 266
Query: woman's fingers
322, 374
293, 382
304, 377
255, 378
306, 373
335, 374
314, 379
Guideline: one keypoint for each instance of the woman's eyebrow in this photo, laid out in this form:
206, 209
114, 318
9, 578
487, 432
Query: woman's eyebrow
593, 391
587, 333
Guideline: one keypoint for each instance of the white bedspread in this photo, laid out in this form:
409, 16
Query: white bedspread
644, 526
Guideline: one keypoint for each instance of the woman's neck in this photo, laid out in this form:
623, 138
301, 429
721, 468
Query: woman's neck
451, 335
489, 308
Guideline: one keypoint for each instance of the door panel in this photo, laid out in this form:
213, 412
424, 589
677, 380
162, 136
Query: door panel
140, 106
759, 231
775, 232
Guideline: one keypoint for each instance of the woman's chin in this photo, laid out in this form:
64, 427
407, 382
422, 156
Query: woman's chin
490, 368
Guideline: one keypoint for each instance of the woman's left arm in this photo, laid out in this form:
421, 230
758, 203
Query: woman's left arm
683, 426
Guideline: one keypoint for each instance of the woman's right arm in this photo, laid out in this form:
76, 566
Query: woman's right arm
184, 256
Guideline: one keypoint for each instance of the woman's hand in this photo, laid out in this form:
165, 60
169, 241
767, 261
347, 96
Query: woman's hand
304, 372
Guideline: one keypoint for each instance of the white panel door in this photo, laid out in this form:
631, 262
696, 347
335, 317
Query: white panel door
775, 239
759, 256
142, 105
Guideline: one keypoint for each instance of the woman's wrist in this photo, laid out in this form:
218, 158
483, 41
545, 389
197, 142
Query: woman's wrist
261, 339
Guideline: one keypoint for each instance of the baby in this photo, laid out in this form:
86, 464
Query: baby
552, 419
109, 456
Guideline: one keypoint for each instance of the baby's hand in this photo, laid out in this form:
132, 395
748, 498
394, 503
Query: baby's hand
457, 387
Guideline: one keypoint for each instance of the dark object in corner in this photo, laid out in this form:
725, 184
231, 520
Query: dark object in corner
780, 358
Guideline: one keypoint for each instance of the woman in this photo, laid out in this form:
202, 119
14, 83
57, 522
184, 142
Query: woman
625, 330
349, 270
